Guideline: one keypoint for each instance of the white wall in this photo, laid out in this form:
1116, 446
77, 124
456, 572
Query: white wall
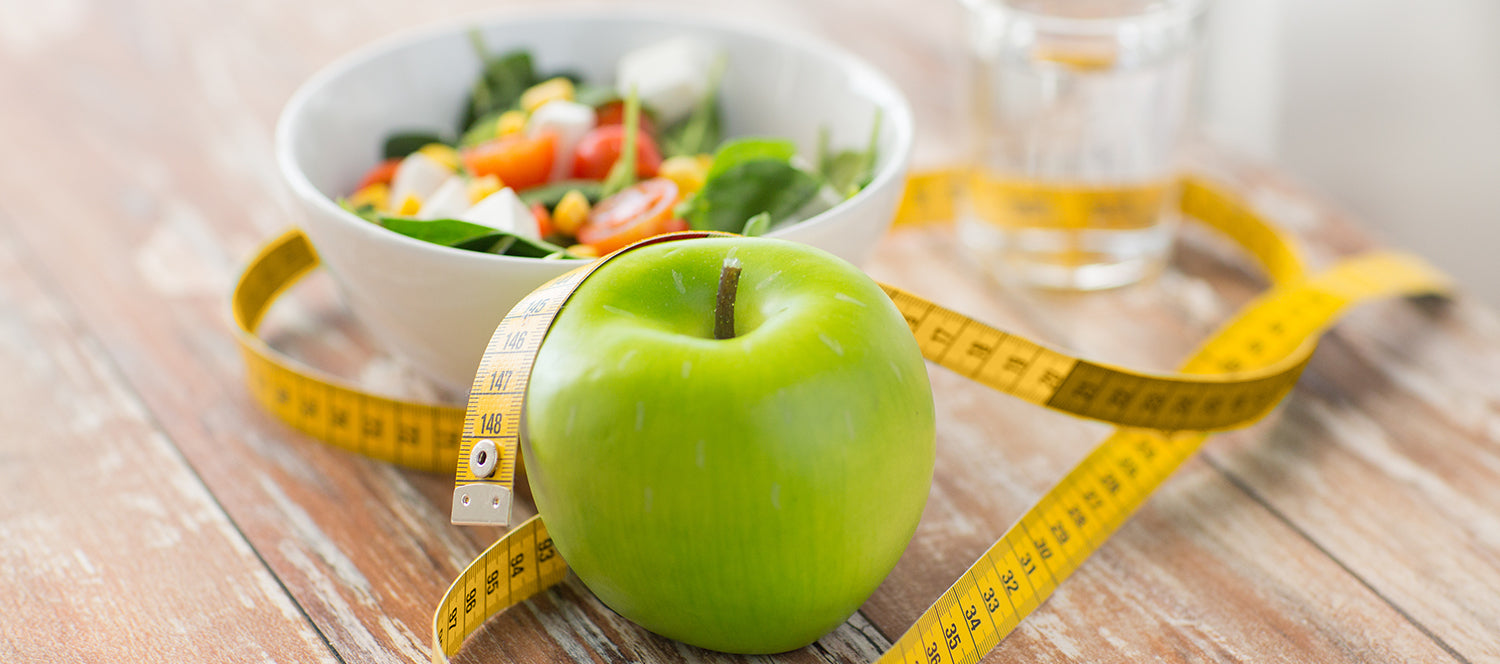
1390, 107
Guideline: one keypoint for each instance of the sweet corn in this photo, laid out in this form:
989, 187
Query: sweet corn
510, 123
409, 206
584, 251
570, 212
481, 187
377, 195
441, 154
688, 171
548, 90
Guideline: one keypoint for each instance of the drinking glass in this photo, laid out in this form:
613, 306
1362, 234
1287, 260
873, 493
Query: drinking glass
1080, 111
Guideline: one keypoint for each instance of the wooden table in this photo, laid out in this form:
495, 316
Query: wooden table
150, 512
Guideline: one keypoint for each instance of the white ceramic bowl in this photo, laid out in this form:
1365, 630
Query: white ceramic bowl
437, 306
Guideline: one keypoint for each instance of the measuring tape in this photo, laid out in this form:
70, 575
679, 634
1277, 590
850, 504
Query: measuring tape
1236, 377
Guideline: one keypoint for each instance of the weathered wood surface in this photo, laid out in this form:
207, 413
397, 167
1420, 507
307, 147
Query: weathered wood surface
1361, 523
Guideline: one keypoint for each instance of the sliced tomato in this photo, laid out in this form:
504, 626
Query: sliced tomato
381, 174
519, 161
631, 215
599, 149
544, 226
613, 113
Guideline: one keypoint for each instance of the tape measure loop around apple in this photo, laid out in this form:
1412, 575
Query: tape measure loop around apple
1232, 379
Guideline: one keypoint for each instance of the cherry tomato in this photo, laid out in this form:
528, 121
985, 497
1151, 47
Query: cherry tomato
599, 149
381, 174
613, 113
631, 215
519, 161
544, 226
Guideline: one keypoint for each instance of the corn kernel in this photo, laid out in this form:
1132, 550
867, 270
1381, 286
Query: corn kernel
584, 251
377, 195
570, 212
409, 206
688, 171
510, 123
548, 90
441, 154
481, 187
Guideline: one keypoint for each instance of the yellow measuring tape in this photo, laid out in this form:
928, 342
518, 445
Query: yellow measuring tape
1237, 376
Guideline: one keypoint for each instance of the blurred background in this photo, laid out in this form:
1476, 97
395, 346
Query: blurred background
1390, 108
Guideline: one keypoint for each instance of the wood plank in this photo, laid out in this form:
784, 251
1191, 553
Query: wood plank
177, 191
111, 548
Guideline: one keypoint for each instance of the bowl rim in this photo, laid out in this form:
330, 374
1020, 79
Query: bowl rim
896, 114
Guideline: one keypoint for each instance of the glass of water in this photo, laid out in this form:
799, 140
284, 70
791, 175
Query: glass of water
1080, 111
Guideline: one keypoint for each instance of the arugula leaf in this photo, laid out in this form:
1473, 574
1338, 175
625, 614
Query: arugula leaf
500, 84
472, 237
367, 212
622, 174
851, 170
741, 150
758, 225
591, 94
551, 194
747, 188
447, 232
403, 143
701, 131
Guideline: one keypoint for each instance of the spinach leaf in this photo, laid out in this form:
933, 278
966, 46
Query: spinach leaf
403, 143
481, 130
551, 194
741, 150
851, 170
701, 131
758, 225
747, 188
500, 84
447, 232
367, 212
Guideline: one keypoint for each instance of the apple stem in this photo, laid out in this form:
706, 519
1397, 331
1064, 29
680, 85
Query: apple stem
729, 283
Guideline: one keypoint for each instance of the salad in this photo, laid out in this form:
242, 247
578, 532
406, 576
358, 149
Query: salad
553, 166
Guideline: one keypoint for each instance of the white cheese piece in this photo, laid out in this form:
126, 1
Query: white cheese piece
504, 211
449, 200
569, 121
418, 175
669, 76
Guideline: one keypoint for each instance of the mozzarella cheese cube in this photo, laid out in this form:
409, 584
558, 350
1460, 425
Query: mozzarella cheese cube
418, 175
450, 199
669, 76
569, 121
503, 211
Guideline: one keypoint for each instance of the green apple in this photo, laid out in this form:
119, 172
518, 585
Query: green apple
743, 494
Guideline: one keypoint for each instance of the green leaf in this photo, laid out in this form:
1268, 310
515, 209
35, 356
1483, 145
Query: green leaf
501, 81
446, 232
741, 150
622, 174
758, 225
851, 170
590, 94
472, 237
403, 143
367, 212
551, 194
701, 131
747, 188
483, 130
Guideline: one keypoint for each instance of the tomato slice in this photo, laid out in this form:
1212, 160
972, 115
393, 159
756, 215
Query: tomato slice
383, 173
519, 161
631, 215
613, 113
599, 149
543, 218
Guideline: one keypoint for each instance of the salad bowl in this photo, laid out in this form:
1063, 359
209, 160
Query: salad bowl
436, 306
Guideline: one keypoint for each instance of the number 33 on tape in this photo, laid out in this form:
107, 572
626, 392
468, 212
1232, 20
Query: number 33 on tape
1236, 376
